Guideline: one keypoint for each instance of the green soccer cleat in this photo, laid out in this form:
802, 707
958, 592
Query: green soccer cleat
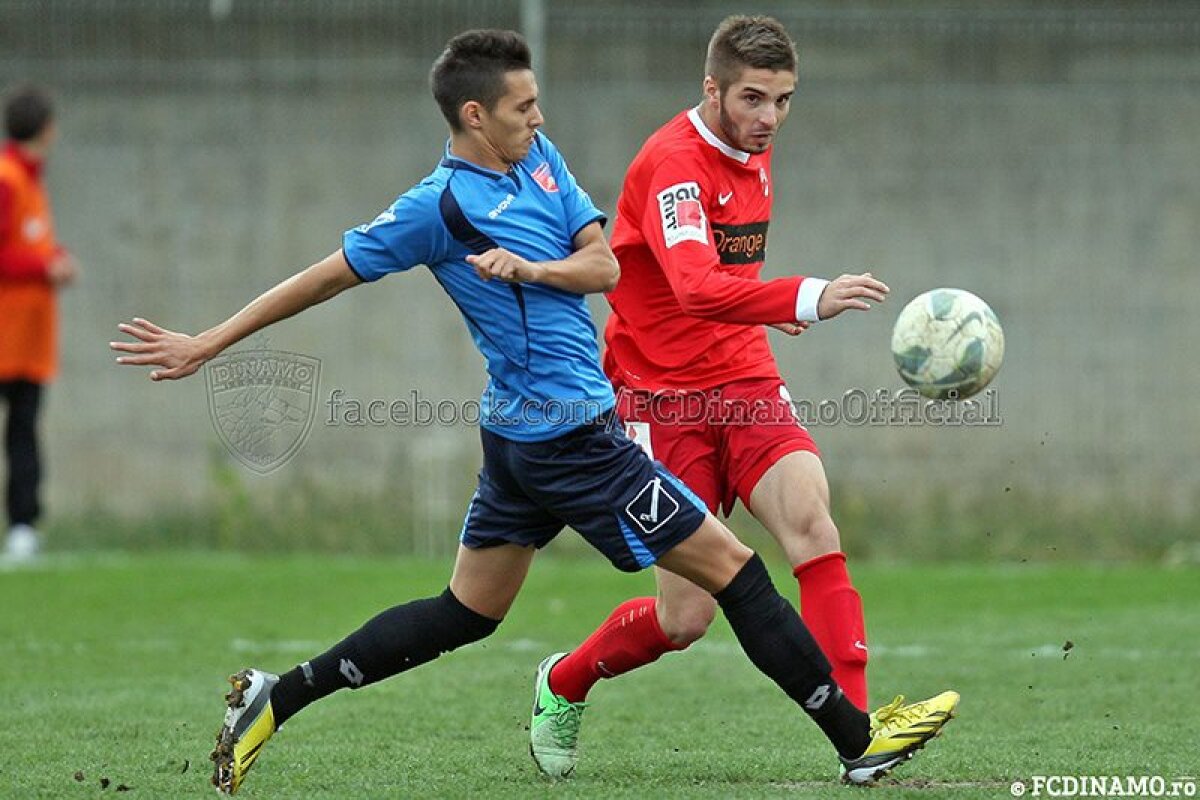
249, 723
554, 731
898, 731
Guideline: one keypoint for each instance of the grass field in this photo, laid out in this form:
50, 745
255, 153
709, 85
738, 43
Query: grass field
113, 668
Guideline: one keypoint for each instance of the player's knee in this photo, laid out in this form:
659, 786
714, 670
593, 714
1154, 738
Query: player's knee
822, 533
461, 625
811, 534
684, 623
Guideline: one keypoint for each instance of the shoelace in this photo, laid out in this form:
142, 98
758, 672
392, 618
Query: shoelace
564, 723
895, 714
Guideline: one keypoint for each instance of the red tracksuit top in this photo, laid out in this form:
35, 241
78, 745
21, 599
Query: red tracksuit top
690, 236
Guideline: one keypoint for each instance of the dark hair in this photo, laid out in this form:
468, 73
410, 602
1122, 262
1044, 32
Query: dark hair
27, 112
754, 42
473, 66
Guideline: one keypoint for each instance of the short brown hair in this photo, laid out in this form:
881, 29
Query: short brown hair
756, 42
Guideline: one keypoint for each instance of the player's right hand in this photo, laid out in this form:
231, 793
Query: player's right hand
63, 270
180, 355
505, 266
850, 292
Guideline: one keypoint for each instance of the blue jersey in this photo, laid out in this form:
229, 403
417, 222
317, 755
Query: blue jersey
543, 361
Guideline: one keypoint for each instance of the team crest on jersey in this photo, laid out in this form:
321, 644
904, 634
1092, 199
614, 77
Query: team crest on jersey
544, 178
682, 215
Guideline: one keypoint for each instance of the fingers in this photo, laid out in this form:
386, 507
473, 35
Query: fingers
866, 292
141, 359
148, 325
488, 265
155, 347
791, 328
854, 292
171, 374
131, 347
144, 334
862, 286
497, 263
143, 329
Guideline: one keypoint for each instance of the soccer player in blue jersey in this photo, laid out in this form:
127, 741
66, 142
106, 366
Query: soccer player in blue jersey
504, 228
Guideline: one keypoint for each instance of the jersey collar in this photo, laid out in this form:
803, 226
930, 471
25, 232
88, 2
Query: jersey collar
454, 162
740, 156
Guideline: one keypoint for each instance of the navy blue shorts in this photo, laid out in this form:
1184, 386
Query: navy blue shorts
594, 479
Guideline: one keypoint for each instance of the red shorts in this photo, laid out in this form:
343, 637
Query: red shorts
719, 441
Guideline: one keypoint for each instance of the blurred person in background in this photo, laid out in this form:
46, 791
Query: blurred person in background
33, 267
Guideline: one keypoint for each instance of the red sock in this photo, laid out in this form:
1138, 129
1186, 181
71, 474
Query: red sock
832, 610
629, 638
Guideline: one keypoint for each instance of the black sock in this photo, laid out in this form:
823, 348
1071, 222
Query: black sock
393, 641
779, 644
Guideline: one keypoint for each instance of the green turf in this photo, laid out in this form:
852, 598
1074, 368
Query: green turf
113, 668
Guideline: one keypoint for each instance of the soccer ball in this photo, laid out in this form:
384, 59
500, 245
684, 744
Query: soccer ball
947, 343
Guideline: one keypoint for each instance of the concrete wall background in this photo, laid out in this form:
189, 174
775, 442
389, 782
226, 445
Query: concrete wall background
1043, 157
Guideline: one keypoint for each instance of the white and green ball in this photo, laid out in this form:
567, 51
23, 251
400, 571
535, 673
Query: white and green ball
947, 343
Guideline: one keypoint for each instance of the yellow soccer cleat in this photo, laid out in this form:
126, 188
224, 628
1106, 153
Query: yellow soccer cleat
249, 723
898, 731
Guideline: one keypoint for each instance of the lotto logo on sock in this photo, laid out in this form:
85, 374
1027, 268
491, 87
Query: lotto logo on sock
818, 698
351, 672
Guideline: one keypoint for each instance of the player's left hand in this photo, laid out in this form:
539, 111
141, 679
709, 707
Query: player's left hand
503, 265
790, 328
850, 292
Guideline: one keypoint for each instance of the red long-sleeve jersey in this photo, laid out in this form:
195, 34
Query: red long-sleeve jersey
690, 236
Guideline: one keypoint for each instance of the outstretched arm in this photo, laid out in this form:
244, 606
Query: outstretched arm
179, 355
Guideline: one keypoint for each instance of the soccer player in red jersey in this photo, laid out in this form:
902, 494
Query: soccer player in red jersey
697, 383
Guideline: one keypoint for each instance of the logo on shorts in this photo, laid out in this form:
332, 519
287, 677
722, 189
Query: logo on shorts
786, 397
639, 434
652, 507
262, 404
682, 215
